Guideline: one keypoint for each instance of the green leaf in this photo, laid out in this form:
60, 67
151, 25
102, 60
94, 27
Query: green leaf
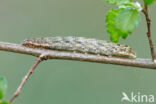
118, 2
1, 94
3, 86
134, 5
110, 20
121, 22
114, 37
149, 2
127, 20
4, 102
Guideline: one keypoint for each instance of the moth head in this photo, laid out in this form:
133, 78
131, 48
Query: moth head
126, 51
132, 53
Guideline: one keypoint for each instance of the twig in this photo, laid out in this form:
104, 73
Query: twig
53, 54
145, 11
23, 81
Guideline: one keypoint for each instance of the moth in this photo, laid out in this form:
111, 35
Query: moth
81, 45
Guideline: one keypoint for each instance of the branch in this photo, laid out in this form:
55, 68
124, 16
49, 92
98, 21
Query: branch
53, 54
145, 11
23, 81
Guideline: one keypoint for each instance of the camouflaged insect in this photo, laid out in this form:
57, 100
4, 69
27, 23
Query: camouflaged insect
82, 45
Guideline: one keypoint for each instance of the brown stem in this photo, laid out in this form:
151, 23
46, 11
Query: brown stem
23, 81
145, 11
63, 55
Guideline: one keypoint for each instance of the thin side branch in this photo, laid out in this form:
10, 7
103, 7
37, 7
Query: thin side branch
145, 11
53, 54
23, 81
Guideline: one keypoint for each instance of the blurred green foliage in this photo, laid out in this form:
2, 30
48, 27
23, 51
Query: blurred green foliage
3, 88
149, 2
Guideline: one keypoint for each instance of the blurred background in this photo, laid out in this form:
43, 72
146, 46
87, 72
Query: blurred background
64, 81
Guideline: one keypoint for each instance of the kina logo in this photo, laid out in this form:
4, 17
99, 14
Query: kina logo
137, 98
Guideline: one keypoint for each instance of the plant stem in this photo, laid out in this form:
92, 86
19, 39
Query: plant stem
63, 55
23, 81
145, 11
